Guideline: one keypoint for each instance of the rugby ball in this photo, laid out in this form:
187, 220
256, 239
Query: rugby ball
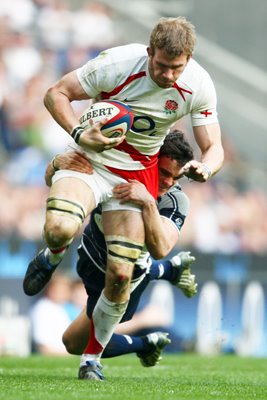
120, 117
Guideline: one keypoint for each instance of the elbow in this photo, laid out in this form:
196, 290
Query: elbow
48, 98
220, 156
220, 159
157, 255
160, 252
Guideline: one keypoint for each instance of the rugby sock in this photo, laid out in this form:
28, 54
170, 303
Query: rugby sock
105, 318
54, 256
162, 270
125, 344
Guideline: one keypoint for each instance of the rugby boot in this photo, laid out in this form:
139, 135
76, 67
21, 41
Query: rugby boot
182, 276
157, 340
92, 371
38, 274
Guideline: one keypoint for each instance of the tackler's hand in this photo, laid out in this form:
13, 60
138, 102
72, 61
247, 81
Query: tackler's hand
72, 160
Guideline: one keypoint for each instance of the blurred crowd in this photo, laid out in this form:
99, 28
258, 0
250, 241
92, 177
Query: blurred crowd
40, 40
61, 302
63, 299
224, 219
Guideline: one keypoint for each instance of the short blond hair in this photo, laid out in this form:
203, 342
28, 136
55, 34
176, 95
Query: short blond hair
176, 35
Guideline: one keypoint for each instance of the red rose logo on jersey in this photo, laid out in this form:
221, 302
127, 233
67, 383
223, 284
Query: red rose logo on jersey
170, 106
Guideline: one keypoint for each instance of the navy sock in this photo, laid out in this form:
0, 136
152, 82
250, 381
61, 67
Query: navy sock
163, 270
125, 344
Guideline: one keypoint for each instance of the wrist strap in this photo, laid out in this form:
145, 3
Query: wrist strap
76, 133
53, 164
207, 170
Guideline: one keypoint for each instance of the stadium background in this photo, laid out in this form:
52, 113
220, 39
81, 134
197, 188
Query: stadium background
227, 228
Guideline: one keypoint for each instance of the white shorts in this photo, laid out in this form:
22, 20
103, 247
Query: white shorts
102, 182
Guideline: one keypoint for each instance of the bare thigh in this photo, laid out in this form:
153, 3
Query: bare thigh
70, 201
75, 190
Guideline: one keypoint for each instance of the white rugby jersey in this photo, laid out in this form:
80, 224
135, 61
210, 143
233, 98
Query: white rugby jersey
121, 73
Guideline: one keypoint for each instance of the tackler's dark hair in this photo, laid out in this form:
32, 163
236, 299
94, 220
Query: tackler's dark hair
177, 147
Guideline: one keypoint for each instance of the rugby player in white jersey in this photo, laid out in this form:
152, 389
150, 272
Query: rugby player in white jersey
161, 84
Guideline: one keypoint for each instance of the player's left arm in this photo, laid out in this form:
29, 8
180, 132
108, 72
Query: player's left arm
207, 132
208, 138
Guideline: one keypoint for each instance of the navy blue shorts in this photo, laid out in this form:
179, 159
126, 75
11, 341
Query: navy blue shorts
94, 282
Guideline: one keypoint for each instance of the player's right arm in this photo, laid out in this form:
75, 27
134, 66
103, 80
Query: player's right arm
58, 100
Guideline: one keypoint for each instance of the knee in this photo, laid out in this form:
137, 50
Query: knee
63, 220
122, 254
59, 231
118, 281
120, 273
71, 346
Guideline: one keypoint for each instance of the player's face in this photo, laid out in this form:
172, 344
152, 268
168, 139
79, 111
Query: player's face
169, 172
163, 69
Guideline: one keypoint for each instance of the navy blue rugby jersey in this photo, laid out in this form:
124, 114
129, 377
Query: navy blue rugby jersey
174, 205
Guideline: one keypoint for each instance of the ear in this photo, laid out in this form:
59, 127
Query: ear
148, 49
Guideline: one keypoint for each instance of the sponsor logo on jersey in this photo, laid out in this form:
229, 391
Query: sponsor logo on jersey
179, 222
129, 100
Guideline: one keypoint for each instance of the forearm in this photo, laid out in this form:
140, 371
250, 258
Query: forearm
213, 158
161, 235
158, 239
209, 140
61, 110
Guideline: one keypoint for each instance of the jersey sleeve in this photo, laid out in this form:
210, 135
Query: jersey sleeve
174, 205
97, 75
111, 69
204, 110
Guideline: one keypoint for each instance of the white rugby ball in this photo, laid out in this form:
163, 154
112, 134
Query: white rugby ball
120, 117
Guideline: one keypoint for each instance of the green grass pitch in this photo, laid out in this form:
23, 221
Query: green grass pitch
185, 376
